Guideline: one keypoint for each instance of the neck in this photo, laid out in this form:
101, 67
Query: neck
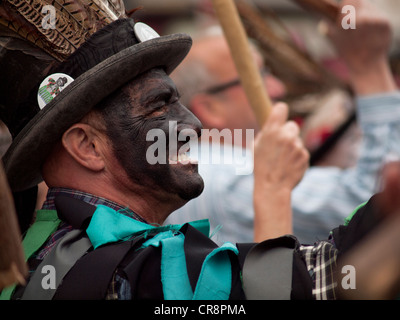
150, 207
151, 204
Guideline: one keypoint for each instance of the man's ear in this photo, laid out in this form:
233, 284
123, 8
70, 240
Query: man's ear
83, 143
209, 110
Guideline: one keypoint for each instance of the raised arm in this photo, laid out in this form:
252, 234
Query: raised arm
327, 195
365, 48
280, 161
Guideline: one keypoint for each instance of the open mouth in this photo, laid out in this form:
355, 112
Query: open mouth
182, 157
180, 143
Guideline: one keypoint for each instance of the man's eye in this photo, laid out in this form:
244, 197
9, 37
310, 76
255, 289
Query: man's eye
159, 111
174, 99
160, 108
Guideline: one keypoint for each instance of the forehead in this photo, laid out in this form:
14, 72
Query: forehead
150, 79
144, 91
220, 62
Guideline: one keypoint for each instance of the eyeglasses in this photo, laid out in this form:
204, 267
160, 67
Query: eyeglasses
235, 82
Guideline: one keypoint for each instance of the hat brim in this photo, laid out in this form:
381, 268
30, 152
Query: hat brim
24, 158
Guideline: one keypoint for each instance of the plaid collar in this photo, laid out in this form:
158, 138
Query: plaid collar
89, 198
64, 228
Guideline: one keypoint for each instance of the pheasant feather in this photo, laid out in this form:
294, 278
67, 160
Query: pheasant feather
75, 21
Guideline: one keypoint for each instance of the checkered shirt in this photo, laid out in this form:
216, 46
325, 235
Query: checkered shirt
320, 260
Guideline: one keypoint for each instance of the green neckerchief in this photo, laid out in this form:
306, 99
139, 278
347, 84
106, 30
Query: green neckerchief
46, 223
108, 226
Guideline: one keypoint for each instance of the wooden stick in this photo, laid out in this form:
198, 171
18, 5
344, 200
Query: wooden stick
13, 268
248, 71
326, 8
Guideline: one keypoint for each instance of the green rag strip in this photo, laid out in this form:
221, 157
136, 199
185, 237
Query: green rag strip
46, 223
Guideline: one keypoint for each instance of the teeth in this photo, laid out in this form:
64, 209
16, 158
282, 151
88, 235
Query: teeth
182, 158
173, 159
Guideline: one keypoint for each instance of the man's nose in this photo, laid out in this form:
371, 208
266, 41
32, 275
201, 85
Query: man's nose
189, 121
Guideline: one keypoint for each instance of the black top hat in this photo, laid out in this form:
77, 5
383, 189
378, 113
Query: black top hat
110, 58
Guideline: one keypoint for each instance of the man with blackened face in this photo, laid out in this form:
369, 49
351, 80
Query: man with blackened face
152, 102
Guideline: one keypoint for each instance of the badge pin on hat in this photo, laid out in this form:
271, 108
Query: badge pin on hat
144, 32
51, 87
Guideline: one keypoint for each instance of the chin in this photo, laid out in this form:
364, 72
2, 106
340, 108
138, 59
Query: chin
192, 189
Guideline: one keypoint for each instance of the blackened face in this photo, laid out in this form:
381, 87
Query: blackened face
150, 103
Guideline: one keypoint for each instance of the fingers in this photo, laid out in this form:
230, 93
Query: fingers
280, 139
278, 121
279, 115
280, 158
291, 129
290, 137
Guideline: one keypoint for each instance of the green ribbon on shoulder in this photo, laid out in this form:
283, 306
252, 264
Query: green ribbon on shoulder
46, 223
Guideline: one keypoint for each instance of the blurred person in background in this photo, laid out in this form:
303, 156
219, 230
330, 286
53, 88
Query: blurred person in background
210, 87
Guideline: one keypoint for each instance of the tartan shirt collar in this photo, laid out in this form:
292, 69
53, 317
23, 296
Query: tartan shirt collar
64, 227
89, 198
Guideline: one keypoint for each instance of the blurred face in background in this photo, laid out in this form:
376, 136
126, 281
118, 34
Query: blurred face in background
217, 97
